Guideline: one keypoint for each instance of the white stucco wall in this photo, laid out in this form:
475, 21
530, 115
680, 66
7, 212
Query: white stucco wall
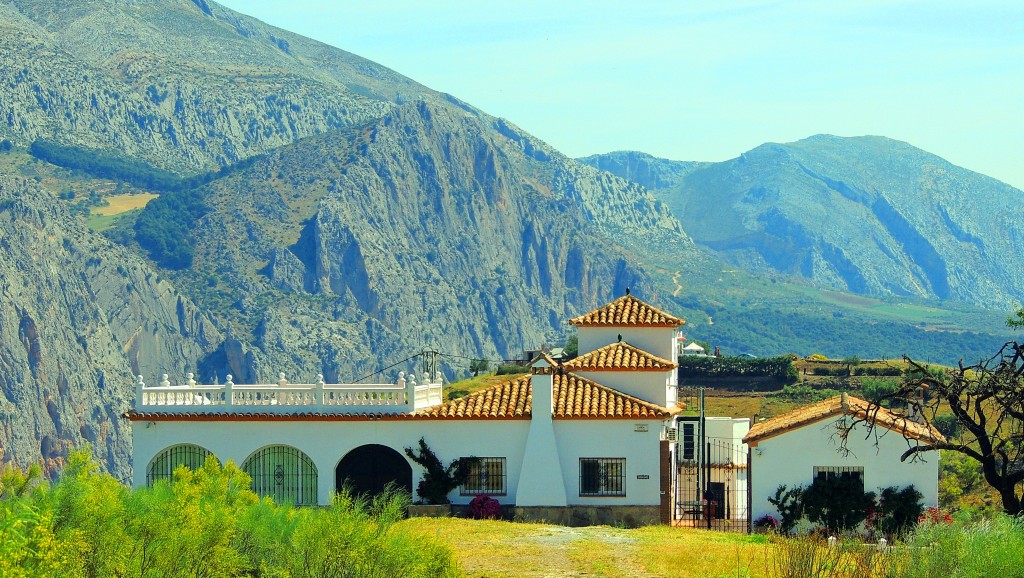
612, 439
326, 443
652, 386
657, 340
790, 459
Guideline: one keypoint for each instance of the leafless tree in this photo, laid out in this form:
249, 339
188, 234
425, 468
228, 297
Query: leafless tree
987, 402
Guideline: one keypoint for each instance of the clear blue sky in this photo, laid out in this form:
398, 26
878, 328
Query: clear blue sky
690, 80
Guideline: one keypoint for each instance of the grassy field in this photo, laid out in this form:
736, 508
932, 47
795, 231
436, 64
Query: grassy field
489, 548
117, 204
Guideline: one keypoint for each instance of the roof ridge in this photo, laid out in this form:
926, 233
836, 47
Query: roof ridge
627, 311
837, 405
617, 362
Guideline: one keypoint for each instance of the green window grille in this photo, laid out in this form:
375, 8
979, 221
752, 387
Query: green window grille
284, 474
163, 465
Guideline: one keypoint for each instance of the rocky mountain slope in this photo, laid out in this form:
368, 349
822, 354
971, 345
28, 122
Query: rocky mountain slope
377, 218
187, 86
651, 172
867, 215
79, 316
436, 226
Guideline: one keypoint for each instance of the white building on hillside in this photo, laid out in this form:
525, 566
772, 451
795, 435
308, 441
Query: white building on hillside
588, 441
798, 447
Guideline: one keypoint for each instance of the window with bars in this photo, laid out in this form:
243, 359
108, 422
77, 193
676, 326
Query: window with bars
689, 441
602, 476
283, 473
163, 465
486, 476
825, 473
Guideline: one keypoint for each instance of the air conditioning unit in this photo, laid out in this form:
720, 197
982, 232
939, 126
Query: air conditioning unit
670, 434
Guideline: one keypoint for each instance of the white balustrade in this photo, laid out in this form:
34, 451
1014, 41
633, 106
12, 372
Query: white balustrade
288, 398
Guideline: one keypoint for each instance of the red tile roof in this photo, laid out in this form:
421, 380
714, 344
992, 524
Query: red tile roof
574, 398
578, 398
619, 356
627, 311
834, 406
511, 399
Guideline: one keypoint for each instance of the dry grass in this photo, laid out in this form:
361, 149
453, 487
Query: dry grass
475, 384
486, 548
118, 204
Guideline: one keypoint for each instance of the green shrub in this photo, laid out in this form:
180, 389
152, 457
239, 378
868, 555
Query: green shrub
205, 523
509, 369
838, 503
898, 510
789, 504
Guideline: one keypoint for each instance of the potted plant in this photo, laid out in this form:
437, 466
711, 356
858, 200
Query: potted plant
438, 480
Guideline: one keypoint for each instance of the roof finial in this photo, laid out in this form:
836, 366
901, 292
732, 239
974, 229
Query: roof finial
627, 290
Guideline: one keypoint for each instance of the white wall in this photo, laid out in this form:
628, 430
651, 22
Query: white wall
327, 442
612, 439
790, 459
652, 386
657, 340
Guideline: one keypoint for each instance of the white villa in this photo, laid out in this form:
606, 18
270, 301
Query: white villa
587, 441
601, 438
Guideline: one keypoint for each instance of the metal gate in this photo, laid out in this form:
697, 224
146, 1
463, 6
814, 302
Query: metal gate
713, 486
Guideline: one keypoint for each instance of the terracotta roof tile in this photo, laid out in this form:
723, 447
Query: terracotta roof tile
505, 400
574, 398
619, 356
834, 406
577, 397
627, 311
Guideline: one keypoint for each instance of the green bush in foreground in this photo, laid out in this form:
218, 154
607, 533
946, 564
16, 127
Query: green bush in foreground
206, 523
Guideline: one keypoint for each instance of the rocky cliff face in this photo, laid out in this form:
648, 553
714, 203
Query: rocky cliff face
869, 215
646, 170
180, 85
78, 318
436, 226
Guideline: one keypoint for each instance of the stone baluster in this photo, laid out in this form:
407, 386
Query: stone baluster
228, 391
409, 393
139, 395
169, 397
320, 390
283, 398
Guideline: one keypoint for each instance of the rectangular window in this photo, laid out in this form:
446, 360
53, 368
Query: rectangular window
486, 476
825, 473
602, 476
689, 441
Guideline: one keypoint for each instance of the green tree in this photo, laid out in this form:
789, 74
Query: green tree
438, 480
478, 365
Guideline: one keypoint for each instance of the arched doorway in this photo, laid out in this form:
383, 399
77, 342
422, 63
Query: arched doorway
367, 469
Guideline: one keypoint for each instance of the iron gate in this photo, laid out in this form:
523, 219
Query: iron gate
713, 486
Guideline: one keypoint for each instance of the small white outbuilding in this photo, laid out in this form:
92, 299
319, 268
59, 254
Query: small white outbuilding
805, 444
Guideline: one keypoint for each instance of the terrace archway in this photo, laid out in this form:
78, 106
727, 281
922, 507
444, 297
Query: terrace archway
368, 469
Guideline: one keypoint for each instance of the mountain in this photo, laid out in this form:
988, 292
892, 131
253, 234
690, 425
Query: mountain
651, 172
347, 218
868, 215
186, 86
79, 317
435, 226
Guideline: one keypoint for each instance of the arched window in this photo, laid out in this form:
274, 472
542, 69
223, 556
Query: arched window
283, 473
163, 465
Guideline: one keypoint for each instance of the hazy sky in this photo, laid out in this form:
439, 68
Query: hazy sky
691, 80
